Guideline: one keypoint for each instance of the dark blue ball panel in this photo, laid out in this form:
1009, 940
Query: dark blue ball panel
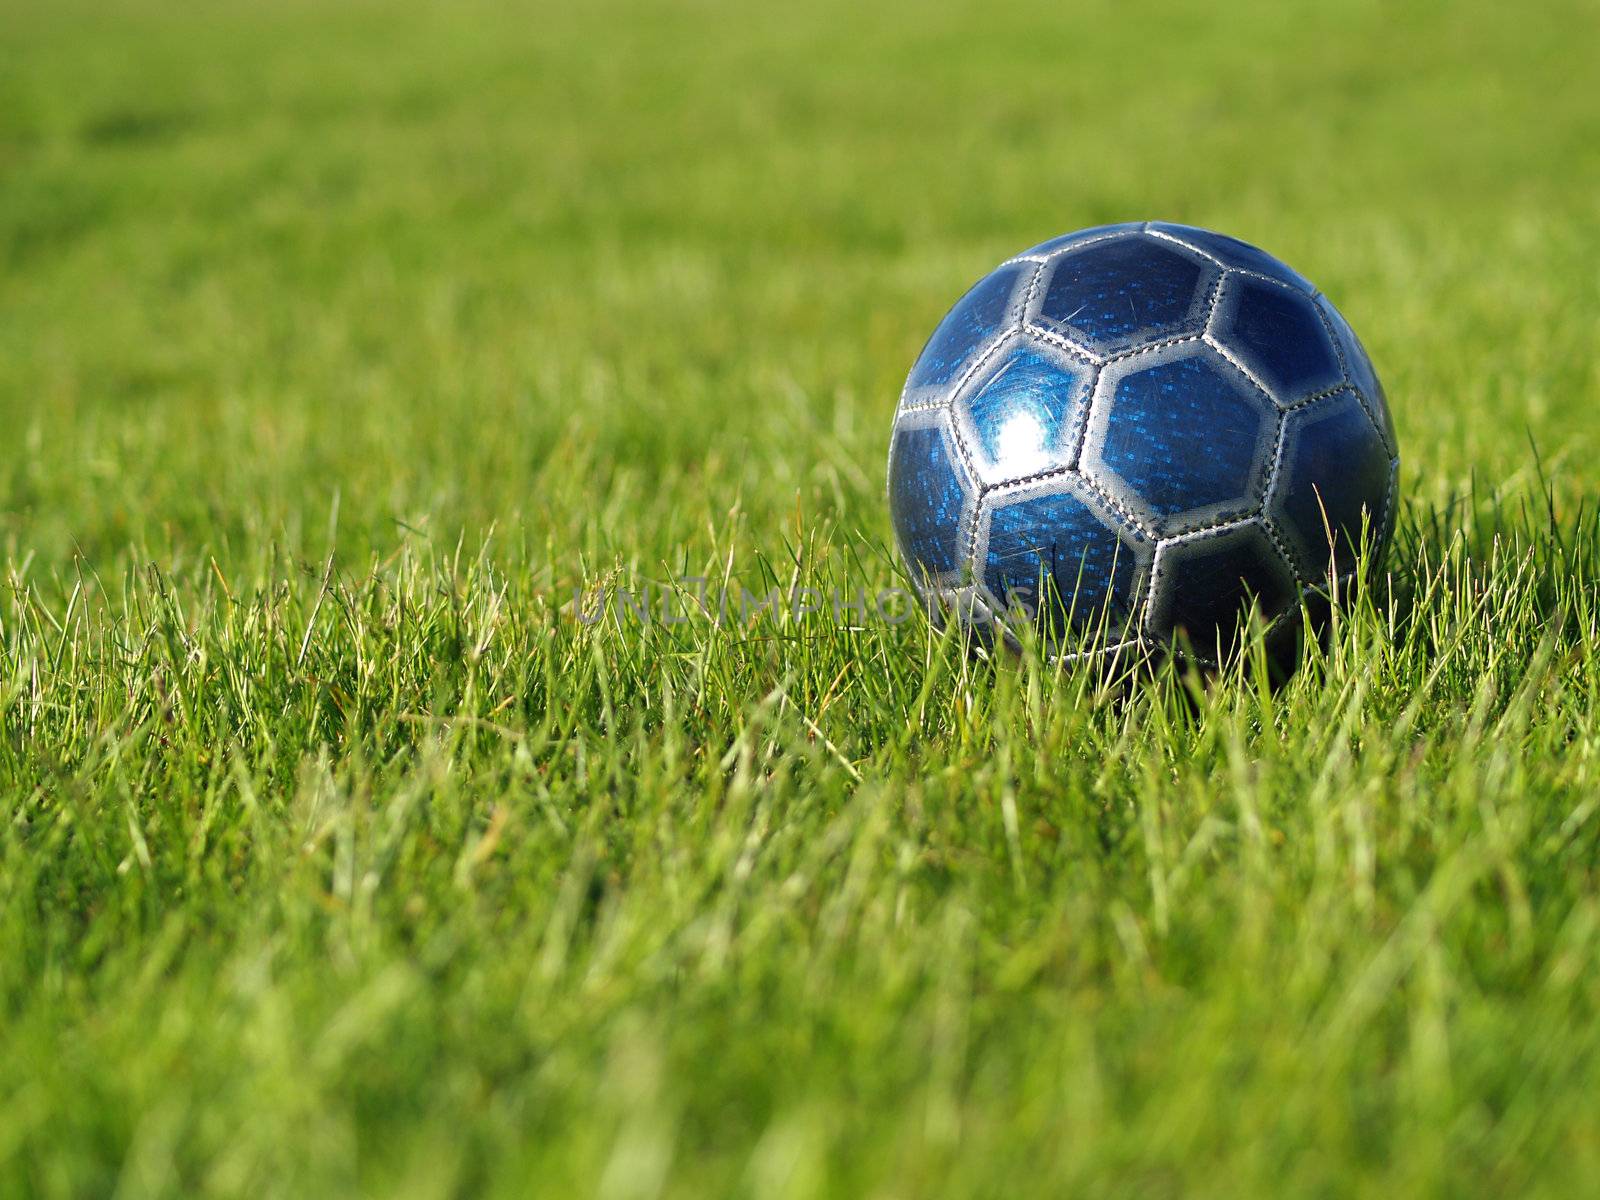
1112, 291
1056, 556
1081, 235
1280, 336
1232, 252
1209, 585
1335, 474
1026, 414
968, 328
1358, 366
926, 498
1184, 434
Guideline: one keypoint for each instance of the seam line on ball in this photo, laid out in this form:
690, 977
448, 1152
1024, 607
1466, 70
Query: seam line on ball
1116, 506
1063, 343
1238, 365
1344, 369
1153, 347
1226, 519
1230, 267
1317, 397
1291, 561
1062, 251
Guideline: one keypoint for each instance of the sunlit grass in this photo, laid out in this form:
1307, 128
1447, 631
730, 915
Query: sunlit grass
342, 853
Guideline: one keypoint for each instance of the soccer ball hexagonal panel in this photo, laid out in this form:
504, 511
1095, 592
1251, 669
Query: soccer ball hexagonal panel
1203, 584
1050, 550
1180, 437
1279, 335
1119, 292
1333, 479
930, 499
1022, 415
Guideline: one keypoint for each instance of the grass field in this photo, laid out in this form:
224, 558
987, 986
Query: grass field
338, 344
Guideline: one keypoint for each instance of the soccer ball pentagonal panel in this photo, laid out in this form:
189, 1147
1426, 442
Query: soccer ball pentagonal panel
1231, 252
966, 331
1279, 335
1052, 552
1204, 582
1023, 414
1113, 294
1334, 476
1180, 437
928, 498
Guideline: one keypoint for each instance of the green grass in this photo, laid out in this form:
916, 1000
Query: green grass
337, 345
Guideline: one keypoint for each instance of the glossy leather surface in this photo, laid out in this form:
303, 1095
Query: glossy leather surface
1335, 471
1025, 413
1205, 473
1151, 422
1054, 556
966, 330
1117, 293
927, 492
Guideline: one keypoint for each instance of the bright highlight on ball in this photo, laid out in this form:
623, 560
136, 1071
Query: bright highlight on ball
1130, 435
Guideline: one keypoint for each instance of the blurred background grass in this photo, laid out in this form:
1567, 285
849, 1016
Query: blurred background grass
422, 891
418, 253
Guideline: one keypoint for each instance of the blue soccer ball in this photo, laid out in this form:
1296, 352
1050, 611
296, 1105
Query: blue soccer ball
1128, 436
